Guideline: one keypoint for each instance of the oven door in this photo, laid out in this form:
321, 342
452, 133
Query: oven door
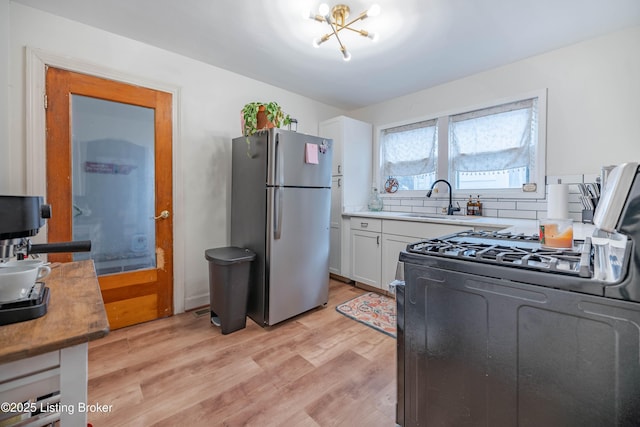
482, 351
399, 291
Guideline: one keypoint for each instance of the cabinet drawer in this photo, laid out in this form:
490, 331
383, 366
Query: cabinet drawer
421, 230
366, 224
23, 367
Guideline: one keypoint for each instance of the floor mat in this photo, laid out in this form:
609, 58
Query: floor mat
374, 310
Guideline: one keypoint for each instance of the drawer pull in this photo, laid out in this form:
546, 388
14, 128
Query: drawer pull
364, 224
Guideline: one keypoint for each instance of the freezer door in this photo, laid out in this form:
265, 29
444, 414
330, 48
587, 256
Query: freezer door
298, 160
297, 251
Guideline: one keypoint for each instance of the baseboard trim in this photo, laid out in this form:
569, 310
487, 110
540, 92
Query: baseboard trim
340, 278
373, 289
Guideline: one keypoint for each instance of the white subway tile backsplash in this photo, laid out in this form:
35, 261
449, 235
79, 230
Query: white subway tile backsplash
423, 210
490, 212
497, 207
412, 202
531, 206
564, 179
517, 214
392, 202
398, 209
435, 203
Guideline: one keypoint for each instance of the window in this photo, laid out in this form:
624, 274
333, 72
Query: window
494, 149
409, 154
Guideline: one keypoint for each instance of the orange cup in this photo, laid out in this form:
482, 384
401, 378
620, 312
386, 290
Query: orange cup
556, 233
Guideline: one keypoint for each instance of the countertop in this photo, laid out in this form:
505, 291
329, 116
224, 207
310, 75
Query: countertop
75, 315
511, 225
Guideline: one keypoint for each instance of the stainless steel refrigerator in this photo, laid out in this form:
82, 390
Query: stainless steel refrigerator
280, 209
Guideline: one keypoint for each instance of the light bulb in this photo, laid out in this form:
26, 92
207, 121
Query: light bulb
374, 10
308, 14
323, 10
374, 36
346, 56
316, 42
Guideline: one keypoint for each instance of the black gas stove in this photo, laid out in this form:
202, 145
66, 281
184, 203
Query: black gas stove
495, 329
506, 249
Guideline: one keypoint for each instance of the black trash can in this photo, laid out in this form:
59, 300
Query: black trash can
229, 272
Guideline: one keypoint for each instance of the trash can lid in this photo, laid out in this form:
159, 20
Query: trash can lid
229, 255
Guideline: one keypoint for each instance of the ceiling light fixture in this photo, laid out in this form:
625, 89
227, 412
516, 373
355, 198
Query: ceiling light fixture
336, 18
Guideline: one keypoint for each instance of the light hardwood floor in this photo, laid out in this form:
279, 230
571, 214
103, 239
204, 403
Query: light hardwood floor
317, 369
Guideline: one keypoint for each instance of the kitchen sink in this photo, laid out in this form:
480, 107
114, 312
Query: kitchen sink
439, 217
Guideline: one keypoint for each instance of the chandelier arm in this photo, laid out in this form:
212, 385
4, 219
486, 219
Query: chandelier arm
335, 32
353, 29
339, 28
328, 36
360, 17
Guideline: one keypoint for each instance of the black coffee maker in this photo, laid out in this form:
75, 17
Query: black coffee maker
21, 217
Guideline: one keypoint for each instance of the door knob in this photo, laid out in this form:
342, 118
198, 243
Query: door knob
163, 215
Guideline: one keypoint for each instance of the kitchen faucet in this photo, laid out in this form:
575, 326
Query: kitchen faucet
450, 209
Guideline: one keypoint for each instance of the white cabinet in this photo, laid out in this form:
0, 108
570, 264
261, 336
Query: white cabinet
335, 248
396, 235
352, 163
366, 250
376, 245
392, 245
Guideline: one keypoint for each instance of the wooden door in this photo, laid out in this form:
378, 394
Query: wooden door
109, 180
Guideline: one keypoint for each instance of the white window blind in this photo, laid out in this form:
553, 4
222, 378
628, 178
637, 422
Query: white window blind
410, 150
491, 150
495, 141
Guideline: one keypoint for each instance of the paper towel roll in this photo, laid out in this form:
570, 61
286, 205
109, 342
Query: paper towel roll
558, 201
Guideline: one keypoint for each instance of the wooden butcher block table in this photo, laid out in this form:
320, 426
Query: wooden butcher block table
43, 362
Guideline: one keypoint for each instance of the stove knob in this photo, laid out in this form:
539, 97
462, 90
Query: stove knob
45, 211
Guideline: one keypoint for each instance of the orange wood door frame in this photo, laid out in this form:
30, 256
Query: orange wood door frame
129, 297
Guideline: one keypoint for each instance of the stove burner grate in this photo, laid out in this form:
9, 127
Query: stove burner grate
510, 251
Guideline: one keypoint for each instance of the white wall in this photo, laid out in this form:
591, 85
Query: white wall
593, 112
4, 95
593, 108
209, 116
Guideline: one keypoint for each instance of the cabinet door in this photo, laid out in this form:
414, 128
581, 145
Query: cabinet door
335, 253
391, 247
366, 252
334, 129
336, 201
335, 245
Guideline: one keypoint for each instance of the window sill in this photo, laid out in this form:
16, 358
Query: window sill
505, 194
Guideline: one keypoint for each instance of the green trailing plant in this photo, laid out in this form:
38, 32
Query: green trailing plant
273, 111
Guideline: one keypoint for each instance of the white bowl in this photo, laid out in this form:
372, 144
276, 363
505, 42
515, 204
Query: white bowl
22, 263
16, 282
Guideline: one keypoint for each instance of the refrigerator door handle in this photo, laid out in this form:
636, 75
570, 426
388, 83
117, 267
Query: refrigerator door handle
277, 213
279, 170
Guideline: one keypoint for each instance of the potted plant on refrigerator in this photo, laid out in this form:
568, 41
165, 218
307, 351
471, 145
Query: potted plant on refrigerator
257, 116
